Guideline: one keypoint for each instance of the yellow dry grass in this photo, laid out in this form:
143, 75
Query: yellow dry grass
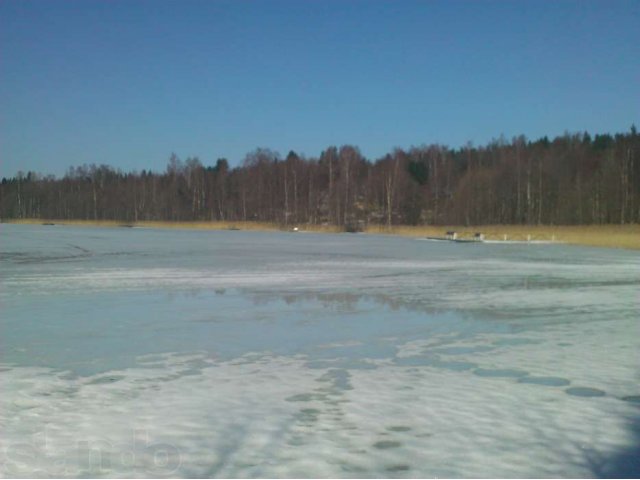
613, 236
195, 225
202, 225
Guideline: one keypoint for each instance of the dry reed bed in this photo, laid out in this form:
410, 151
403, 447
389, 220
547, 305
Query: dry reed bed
616, 236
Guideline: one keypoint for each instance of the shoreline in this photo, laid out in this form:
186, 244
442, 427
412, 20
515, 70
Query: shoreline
606, 236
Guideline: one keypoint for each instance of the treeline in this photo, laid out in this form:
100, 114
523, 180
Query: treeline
572, 179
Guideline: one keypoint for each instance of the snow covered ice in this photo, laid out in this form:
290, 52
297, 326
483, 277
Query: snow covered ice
146, 353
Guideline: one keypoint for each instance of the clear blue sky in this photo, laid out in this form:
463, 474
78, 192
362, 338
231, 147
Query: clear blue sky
129, 82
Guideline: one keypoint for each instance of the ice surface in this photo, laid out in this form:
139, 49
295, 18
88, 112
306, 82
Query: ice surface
145, 353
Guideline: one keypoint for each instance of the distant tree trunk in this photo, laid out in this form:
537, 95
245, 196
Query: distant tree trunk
286, 197
579, 188
95, 201
19, 197
331, 218
518, 205
540, 192
529, 215
309, 199
389, 194
346, 194
390, 187
244, 205
624, 180
295, 196
135, 202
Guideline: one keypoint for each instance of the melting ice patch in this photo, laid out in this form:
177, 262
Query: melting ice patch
487, 285
161, 278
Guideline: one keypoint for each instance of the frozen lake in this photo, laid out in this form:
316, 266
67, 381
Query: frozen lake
166, 353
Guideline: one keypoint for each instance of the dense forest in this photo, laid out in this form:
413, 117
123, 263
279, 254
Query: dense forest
572, 179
